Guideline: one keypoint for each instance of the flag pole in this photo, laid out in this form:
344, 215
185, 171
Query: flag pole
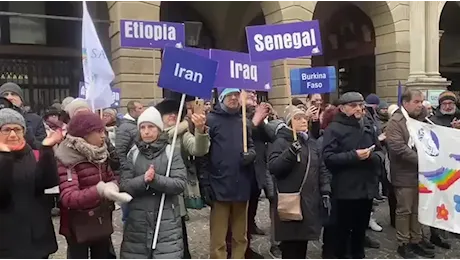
244, 97
168, 171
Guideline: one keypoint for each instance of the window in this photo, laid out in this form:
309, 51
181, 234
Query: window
26, 30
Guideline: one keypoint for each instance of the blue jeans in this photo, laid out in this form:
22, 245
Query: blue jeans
124, 212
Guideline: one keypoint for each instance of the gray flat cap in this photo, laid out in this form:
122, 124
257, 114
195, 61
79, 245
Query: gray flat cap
350, 97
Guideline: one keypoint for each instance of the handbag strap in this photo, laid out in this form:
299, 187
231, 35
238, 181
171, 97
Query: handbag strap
306, 171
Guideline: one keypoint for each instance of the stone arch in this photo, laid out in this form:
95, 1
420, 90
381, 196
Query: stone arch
449, 33
441, 5
391, 26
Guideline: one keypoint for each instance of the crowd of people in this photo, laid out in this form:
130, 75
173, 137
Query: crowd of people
323, 168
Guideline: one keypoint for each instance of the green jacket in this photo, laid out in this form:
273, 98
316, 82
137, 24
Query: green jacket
190, 145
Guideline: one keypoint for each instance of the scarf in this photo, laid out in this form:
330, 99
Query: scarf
17, 147
410, 142
229, 110
92, 153
152, 150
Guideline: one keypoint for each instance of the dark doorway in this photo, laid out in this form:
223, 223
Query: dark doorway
348, 39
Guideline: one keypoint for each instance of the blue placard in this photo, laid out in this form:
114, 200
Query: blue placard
188, 73
313, 80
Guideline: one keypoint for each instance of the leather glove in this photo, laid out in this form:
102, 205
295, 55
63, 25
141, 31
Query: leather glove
295, 147
248, 158
327, 204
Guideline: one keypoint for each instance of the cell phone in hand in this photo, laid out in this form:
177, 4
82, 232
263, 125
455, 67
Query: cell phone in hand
198, 106
371, 148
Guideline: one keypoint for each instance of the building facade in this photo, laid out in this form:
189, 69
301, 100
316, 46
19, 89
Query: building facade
374, 45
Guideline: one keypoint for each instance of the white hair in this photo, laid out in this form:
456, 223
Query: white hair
426, 103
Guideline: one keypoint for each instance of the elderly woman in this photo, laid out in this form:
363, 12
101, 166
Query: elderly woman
192, 141
26, 229
298, 168
88, 188
144, 178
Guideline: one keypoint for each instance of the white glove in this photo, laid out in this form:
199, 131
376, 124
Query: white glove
111, 192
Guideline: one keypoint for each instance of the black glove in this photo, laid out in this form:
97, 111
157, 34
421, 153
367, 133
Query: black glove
207, 195
295, 147
327, 204
248, 158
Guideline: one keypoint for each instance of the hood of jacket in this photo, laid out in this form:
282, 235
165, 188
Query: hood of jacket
183, 127
67, 155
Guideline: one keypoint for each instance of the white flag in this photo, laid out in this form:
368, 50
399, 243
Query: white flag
438, 173
98, 73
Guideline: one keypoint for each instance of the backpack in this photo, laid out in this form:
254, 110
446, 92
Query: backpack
135, 152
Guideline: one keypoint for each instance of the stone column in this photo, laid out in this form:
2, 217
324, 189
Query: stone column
136, 70
417, 40
432, 40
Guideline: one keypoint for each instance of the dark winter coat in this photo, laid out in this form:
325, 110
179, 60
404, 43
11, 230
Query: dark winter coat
228, 178
35, 130
140, 224
444, 120
26, 229
80, 192
260, 139
289, 175
352, 178
124, 137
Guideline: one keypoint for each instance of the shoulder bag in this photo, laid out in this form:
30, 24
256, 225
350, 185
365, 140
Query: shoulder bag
289, 204
92, 224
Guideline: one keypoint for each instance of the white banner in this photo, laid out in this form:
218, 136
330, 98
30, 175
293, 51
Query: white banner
98, 73
438, 150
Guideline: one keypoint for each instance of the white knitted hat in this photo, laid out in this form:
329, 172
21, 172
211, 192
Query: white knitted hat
151, 115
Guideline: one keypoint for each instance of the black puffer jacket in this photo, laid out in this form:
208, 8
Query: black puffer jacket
352, 178
289, 175
26, 229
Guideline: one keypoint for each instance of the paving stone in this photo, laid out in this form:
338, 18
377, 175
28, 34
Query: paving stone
198, 235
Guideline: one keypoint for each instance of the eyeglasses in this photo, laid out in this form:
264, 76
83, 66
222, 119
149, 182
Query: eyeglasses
448, 103
7, 131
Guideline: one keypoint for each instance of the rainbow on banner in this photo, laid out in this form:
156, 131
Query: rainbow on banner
442, 177
423, 189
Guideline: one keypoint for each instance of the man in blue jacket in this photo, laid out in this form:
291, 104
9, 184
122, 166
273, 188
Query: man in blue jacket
229, 175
